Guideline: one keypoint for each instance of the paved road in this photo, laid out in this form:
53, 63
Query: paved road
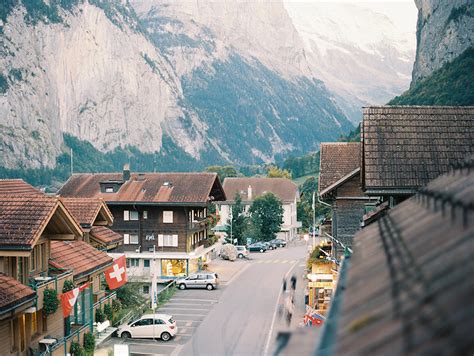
241, 323
235, 319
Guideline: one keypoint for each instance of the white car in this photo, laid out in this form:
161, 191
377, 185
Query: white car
164, 327
242, 251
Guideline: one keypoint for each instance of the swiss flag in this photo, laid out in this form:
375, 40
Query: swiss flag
68, 299
116, 275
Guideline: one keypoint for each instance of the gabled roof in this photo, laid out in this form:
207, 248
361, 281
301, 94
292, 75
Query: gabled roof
17, 187
283, 188
404, 147
339, 161
409, 287
86, 210
105, 236
13, 293
78, 256
164, 188
24, 218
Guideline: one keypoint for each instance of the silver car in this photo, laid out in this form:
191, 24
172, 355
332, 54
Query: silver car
206, 280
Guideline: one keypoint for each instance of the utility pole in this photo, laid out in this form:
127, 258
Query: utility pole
72, 162
314, 221
231, 222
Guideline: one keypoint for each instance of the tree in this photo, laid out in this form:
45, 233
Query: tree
223, 171
275, 172
304, 206
237, 223
266, 215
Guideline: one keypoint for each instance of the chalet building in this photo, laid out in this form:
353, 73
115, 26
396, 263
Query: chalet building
30, 224
95, 219
405, 147
41, 246
339, 186
406, 288
160, 217
250, 188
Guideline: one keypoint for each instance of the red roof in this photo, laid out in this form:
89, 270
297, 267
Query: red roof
13, 292
283, 188
85, 210
105, 235
147, 187
23, 218
78, 256
17, 187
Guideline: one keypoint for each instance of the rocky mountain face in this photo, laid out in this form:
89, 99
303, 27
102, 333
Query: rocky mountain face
445, 29
208, 80
364, 53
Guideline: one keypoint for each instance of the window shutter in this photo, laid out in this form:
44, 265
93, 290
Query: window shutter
126, 239
126, 215
160, 240
175, 240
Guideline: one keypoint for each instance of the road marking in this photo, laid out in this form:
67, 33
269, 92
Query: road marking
177, 350
189, 323
174, 314
277, 261
195, 300
272, 325
171, 308
148, 344
284, 261
236, 275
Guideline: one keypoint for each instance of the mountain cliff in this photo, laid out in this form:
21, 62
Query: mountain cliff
209, 82
445, 29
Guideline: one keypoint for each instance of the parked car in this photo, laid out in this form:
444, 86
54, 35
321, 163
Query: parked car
242, 251
164, 327
279, 242
199, 280
271, 245
257, 246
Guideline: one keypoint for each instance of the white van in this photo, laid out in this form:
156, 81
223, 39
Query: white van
164, 327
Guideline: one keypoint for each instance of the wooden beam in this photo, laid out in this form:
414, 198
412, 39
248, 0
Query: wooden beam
59, 236
15, 253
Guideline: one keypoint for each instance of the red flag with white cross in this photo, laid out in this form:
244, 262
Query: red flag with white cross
116, 275
68, 299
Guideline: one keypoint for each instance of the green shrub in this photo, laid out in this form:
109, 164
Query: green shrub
89, 343
116, 305
68, 285
50, 301
108, 312
76, 349
99, 316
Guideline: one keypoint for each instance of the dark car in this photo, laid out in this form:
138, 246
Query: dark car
257, 247
271, 245
279, 243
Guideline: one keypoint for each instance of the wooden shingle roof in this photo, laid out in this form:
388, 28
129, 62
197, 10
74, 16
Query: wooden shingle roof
283, 188
13, 293
409, 288
338, 160
404, 147
23, 219
78, 256
165, 188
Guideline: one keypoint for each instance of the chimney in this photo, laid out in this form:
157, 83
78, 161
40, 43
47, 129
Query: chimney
249, 192
126, 172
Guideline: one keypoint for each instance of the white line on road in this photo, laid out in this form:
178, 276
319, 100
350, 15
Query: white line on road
168, 308
272, 325
174, 314
159, 344
189, 323
195, 300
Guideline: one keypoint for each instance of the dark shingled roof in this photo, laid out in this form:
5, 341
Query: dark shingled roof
78, 256
147, 187
105, 235
13, 293
409, 288
17, 187
404, 147
338, 159
85, 210
283, 188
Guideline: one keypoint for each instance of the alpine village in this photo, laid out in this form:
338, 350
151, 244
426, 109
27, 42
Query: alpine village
236, 177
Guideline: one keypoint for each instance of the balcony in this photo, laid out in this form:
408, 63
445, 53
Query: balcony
51, 281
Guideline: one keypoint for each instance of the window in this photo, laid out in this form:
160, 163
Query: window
167, 217
168, 240
143, 322
132, 262
146, 289
126, 215
173, 268
130, 239
109, 189
146, 263
145, 214
159, 322
133, 215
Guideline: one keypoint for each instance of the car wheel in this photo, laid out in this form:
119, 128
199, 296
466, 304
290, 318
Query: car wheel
209, 287
261, 250
166, 336
182, 286
125, 335
240, 255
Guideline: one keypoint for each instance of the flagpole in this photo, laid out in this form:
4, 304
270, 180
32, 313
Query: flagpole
153, 289
314, 221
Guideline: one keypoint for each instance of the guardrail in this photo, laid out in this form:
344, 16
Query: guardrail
63, 342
